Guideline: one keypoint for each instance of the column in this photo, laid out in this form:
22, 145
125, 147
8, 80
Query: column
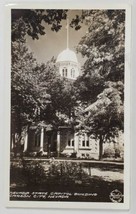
11, 142
58, 143
42, 139
76, 142
26, 142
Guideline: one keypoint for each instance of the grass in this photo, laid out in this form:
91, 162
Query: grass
69, 177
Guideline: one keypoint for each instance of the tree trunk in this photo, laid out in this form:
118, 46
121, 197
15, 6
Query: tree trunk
100, 147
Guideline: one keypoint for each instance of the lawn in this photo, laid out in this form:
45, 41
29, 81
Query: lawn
45, 180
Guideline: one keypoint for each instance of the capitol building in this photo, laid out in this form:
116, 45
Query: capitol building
64, 141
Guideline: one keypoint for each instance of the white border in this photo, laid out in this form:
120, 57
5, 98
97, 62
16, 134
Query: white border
69, 205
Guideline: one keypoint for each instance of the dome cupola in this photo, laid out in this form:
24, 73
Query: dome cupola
67, 61
67, 55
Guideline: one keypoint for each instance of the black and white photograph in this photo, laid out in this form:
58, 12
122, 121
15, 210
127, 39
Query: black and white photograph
67, 115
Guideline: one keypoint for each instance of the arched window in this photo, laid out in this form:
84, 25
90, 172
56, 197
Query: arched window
85, 141
64, 72
72, 72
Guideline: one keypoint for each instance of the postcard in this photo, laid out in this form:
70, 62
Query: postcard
68, 90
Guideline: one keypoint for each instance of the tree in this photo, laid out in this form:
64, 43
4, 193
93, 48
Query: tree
38, 93
101, 87
26, 99
103, 45
61, 91
32, 22
103, 119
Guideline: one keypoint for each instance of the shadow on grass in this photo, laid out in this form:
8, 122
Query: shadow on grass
34, 176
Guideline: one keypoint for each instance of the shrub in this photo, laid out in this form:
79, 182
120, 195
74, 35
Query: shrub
119, 151
34, 173
109, 152
39, 173
16, 173
66, 172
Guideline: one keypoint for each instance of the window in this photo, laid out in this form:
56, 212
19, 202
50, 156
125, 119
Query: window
71, 143
37, 139
85, 141
72, 72
64, 72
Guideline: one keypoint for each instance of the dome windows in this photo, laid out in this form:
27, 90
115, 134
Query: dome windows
67, 64
73, 73
64, 72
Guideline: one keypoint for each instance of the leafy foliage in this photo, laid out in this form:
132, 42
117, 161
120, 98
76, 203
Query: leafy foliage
34, 173
103, 45
38, 93
23, 86
94, 102
31, 22
101, 87
105, 116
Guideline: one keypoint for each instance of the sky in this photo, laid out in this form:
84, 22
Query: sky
52, 43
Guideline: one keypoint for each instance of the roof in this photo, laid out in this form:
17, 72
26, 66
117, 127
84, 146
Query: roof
67, 55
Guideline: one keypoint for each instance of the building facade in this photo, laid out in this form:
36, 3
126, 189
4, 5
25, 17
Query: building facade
61, 143
64, 142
